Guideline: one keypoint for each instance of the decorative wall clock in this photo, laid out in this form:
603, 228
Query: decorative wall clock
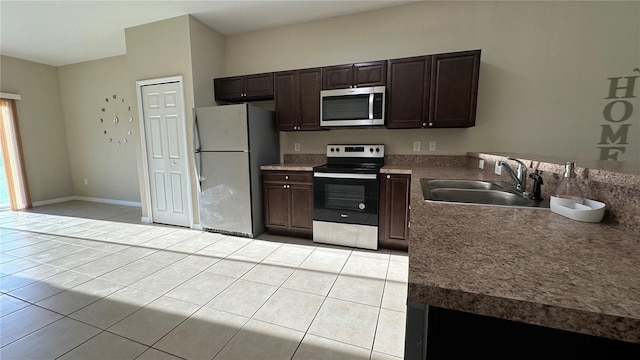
116, 120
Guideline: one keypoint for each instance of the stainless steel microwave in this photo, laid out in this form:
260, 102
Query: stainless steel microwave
352, 107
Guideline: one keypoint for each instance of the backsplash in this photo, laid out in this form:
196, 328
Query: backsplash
296, 159
427, 160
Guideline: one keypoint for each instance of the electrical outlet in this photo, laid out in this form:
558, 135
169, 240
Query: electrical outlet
86, 181
481, 164
498, 169
432, 146
416, 146
296, 146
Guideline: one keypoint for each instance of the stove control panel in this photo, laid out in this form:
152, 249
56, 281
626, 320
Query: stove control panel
361, 151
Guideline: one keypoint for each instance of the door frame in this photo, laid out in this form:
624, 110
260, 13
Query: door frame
146, 196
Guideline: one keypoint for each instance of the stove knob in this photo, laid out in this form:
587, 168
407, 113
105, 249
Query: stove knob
377, 149
332, 150
370, 149
338, 149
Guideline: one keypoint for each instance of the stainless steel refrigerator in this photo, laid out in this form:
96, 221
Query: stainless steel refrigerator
231, 143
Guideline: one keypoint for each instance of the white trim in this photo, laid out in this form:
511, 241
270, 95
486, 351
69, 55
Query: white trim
145, 220
109, 201
85, 198
197, 227
146, 195
53, 201
10, 96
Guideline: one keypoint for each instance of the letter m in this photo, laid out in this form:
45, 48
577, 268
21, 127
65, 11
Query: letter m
609, 137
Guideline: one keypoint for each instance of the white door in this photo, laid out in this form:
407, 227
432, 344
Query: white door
165, 135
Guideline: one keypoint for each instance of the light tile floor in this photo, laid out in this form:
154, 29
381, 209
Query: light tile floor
83, 280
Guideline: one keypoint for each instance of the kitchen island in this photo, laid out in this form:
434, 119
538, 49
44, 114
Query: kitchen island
530, 266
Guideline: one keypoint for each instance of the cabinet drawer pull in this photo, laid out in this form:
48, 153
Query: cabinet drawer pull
388, 176
286, 177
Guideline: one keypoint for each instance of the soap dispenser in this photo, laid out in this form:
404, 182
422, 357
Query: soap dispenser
568, 191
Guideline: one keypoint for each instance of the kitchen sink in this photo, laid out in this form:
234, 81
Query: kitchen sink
460, 184
476, 192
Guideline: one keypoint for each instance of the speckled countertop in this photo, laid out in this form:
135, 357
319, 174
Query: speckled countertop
289, 167
532, 266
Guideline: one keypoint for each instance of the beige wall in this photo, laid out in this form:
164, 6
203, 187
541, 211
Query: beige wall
207, 60
110, 169
157, 50
543, 76
41, 125
178, 46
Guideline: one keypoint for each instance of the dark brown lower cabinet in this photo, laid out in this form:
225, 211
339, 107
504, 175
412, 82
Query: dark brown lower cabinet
288, 201
394, 211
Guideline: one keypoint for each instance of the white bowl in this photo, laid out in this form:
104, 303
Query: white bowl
589, 211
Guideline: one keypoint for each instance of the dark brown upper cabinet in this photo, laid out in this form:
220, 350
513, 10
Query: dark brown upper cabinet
297, 99
244, 88
454, 89
354, 75
408, 85
433, 91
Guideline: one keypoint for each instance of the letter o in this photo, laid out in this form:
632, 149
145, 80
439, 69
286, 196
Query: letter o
628, 110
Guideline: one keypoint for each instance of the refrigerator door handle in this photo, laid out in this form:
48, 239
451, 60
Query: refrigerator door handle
198, 150
196, 131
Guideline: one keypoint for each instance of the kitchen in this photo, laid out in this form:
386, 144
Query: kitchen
526, 86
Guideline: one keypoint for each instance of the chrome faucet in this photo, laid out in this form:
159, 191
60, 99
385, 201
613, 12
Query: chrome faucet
519, 177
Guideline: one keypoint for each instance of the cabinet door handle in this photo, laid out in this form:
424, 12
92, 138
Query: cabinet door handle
388, 176
430, 124
424, 124
286, 177
284, 186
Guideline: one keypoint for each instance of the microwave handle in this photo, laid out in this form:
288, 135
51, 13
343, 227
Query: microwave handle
371, 106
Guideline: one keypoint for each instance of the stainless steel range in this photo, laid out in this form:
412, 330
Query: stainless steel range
346, 193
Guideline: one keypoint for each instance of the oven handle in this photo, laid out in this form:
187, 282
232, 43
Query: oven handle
344, 175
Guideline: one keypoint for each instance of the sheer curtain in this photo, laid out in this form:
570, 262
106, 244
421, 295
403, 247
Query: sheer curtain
12, 155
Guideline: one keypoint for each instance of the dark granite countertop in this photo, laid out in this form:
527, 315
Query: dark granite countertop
528, 265
289, 167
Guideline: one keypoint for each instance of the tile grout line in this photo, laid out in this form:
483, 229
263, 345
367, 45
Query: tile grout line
267, 300
322, 304
375, 332
204, 305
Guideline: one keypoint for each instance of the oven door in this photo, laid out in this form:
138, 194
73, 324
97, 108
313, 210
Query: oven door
345, 198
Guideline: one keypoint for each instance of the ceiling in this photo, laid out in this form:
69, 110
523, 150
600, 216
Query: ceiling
66, 32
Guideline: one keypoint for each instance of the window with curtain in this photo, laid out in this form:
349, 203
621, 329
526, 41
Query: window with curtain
12, 156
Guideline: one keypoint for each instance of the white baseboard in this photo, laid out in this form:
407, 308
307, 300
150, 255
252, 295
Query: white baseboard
196, 227
85, 198
109, 201
145, 220
53, 201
